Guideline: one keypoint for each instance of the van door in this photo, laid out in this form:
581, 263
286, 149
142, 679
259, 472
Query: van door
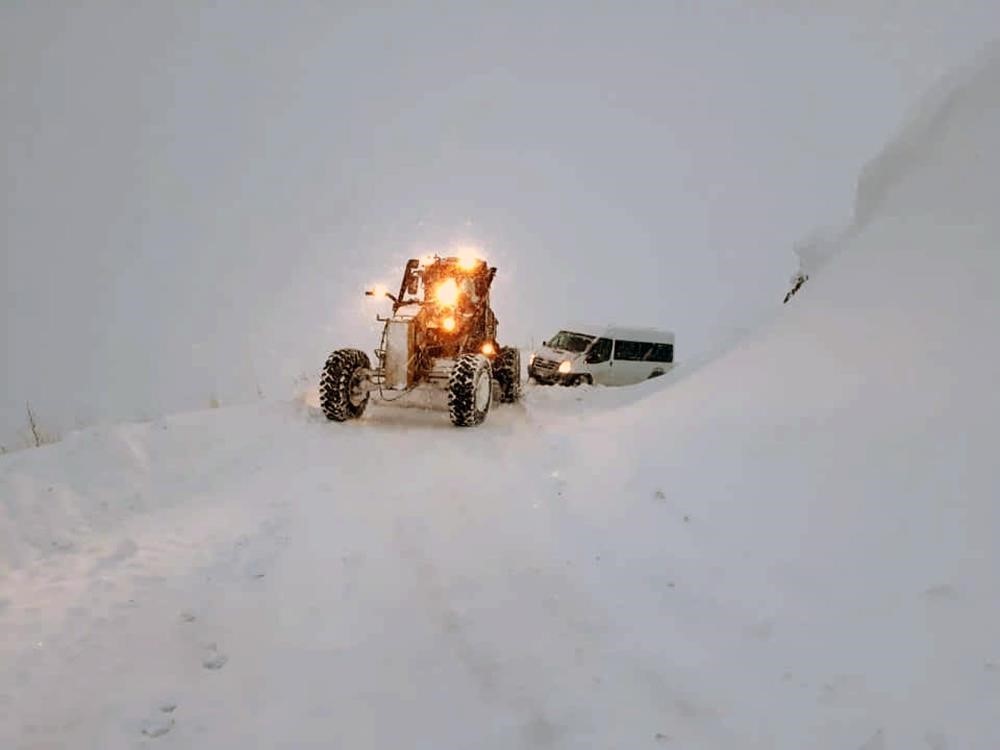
597, 362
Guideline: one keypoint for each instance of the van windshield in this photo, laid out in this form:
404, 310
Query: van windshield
570, 342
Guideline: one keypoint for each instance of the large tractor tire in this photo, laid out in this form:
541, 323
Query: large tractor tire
342, 392
507, 371
470, 390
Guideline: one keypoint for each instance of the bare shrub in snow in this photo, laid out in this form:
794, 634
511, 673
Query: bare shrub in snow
37, 436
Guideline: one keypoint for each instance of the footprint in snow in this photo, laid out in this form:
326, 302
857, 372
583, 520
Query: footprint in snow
255, 570
157, 727
214, 659
161, 723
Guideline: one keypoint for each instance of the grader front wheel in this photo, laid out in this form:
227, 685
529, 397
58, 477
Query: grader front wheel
470, 390
342, 392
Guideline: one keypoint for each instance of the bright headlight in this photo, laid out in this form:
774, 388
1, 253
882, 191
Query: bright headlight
446, 293
565, 366
448, 324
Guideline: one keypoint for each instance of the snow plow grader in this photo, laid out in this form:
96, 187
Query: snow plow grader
440, 340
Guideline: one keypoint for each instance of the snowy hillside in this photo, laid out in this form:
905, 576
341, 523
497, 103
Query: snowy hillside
793, 546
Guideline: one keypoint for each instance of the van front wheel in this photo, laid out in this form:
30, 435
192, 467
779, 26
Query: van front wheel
578, 380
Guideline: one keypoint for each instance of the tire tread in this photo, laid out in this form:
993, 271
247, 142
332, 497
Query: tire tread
335, 384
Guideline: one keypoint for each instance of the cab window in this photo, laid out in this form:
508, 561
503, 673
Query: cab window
599, 352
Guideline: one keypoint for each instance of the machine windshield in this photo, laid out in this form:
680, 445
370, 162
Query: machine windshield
570, 342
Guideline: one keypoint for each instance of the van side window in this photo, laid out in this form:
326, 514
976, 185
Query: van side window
661, 353
599, 352
631, 351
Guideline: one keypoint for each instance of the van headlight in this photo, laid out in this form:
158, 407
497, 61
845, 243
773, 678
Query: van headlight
565, 366
531, 358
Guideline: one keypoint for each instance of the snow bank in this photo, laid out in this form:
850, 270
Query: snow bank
54, 499
841, 567
791, 546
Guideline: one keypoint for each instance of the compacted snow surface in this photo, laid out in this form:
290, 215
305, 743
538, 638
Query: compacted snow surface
792, 546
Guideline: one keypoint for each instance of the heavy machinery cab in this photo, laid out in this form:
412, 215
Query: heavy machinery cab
449, 300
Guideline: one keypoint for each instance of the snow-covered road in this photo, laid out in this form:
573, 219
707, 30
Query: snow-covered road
395, 582
258, 577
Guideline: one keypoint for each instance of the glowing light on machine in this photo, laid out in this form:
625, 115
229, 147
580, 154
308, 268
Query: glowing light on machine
448, 324
488, 349
446, 293
469, 257
378, 291
565, 366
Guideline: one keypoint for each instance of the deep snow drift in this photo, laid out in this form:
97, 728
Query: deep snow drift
792, 546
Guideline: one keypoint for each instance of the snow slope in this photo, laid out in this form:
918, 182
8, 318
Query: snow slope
791, 546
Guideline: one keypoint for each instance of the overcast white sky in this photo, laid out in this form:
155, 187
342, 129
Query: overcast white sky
193, 194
